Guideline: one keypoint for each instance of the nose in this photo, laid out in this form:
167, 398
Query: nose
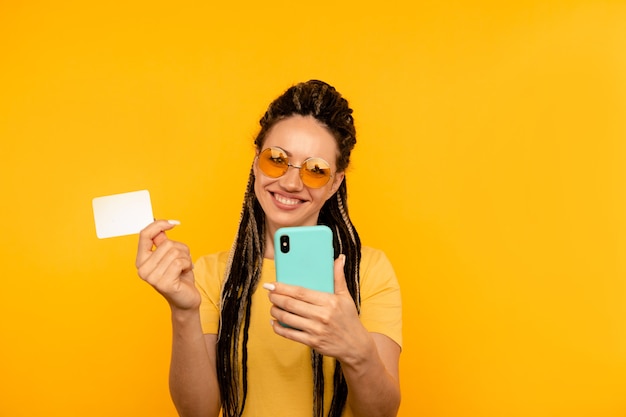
291, 181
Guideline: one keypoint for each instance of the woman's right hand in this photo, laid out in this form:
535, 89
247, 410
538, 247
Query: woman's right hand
167, 266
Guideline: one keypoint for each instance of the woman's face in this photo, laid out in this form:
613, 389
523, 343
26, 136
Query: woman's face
286, 201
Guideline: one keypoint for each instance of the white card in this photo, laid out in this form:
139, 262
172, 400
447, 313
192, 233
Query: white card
122, 214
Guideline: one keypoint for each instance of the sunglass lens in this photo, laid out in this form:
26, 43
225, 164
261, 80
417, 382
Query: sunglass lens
315, 172
273, 162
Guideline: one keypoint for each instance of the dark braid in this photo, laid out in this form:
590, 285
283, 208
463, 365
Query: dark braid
243, 271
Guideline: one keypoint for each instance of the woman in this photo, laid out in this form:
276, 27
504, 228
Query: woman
229, 352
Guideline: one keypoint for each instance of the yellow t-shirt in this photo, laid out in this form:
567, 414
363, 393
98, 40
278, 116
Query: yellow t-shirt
280, 378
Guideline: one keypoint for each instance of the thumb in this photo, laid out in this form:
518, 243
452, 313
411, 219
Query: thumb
160, 238
340, 277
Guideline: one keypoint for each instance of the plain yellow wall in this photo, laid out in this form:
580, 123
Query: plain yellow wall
491, 167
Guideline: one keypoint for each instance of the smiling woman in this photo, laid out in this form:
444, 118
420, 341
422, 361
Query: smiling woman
344, 356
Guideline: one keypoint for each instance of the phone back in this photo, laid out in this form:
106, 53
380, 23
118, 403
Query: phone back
304, 257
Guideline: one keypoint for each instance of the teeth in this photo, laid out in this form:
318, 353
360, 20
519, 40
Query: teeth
284, 200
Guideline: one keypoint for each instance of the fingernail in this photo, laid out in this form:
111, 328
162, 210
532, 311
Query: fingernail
271, 322
174, 222
343, 260
268, 286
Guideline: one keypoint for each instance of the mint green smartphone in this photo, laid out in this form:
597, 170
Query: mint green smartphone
304, 256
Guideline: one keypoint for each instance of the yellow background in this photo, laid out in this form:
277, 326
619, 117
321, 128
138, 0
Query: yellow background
491, 167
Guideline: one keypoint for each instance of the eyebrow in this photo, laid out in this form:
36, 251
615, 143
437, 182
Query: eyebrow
284, 150
289, 154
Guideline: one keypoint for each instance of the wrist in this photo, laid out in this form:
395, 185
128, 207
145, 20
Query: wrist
357, 359
182, 315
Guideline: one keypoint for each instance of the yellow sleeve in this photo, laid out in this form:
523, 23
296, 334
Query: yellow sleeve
209, 274
381, 303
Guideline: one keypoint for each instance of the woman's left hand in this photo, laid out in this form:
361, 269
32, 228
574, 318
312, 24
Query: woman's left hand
328, 323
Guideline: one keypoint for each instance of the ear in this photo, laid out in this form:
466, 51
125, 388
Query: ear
337, 180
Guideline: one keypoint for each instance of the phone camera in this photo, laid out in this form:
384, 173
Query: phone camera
284, 244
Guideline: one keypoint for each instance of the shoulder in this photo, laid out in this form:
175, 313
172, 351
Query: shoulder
375, 259
212, 259
208, 276
381, 300
370, 253
376, 274
210, 266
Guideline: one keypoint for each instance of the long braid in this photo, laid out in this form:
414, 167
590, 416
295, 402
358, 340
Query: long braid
317, 362
243, 269
242, 274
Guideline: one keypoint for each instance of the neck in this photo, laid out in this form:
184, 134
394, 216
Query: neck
269, 242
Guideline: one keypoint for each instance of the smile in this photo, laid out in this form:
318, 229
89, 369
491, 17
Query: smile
287, 201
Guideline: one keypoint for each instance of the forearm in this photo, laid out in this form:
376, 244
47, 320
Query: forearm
193, 379
372, 389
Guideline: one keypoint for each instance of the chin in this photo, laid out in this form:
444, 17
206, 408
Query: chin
289, 221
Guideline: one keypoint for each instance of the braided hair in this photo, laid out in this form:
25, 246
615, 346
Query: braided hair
321, 101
